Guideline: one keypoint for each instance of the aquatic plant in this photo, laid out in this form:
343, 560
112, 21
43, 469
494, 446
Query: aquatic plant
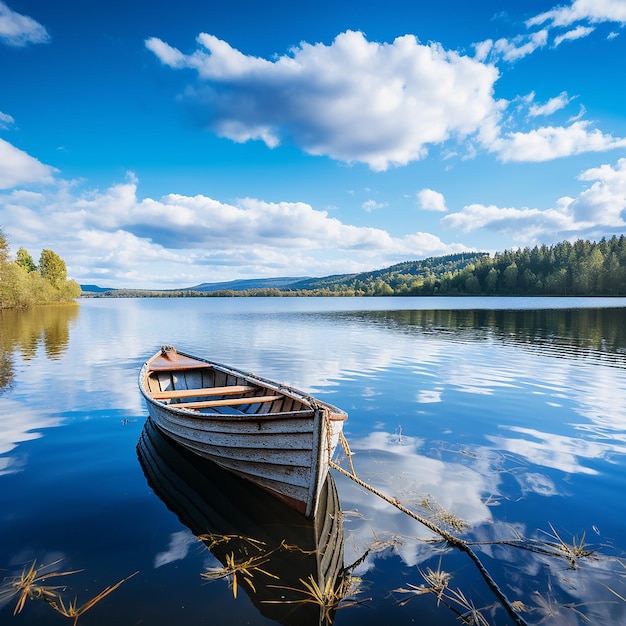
28, 585
73, 611
245, 567
442, 516
335, 593
438, 583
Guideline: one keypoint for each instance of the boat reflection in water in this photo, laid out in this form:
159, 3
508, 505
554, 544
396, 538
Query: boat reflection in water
280, 558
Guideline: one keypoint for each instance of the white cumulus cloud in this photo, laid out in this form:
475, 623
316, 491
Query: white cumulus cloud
382, 104
594, 11
17, 167
431, 200
117, 237
582, 15
552, 142
372, 205
599, 210
571, 35
604, 203
551, 106
518, 47
6, 120
20, 30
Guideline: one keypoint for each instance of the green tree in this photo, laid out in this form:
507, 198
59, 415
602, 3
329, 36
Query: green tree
472, 284
556, 283
613, 274
25, 260
596, 265
529, 280
52, 267
510, 277
381, 288
13, 293
491, 280
4, 248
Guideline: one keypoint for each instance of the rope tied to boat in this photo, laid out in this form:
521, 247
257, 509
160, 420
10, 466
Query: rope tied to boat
453, 540
325, 414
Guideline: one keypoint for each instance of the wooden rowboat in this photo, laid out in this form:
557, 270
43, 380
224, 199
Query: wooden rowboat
275, 436
270, 550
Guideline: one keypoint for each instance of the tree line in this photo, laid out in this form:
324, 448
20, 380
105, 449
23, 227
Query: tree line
24, 283
582, 268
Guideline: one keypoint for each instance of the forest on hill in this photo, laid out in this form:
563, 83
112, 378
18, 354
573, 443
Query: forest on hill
582, 268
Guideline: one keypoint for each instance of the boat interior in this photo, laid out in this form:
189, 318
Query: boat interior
209, 389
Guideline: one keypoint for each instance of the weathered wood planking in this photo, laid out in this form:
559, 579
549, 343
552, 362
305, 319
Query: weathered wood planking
275, 436
211, 502
207, 391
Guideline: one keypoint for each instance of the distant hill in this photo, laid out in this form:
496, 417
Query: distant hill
582, 268
95, 289
433, 266
243, 285
231, 285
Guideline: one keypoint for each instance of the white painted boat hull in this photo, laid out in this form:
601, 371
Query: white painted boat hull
282, 443
238, 521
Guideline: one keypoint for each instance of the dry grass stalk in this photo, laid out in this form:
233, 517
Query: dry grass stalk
616, 594
212, 540
572, 551
379, 545
442, 516
438, 582
252, 556
330, 598
27, 586
471, 614
234, 569
552, 611
73, 611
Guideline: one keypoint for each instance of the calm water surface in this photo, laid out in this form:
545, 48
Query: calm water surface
502, 421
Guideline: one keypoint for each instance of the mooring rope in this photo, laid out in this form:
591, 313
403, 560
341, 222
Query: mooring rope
453, 540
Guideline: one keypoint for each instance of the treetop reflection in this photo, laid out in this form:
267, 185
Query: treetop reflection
26, 330
572, 333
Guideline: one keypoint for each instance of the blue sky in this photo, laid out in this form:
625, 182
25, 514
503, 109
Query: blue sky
159, 144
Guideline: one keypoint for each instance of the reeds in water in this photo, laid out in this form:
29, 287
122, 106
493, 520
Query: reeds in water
29, 585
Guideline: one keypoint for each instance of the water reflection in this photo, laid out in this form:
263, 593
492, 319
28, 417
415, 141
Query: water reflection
549, 575
437, 488
26, 330
553, 451
512, 435
278, 557
599, 334
18, 424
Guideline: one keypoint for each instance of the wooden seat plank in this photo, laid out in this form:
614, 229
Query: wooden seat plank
206, 391
226, 402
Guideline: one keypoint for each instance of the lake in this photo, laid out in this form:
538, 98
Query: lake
501, 421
